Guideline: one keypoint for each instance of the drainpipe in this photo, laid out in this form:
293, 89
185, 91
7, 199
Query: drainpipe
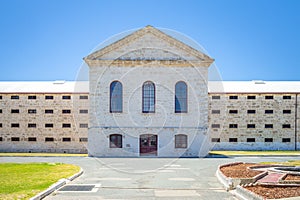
296, 110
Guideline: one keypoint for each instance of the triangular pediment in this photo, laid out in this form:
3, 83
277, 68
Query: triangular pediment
148, 44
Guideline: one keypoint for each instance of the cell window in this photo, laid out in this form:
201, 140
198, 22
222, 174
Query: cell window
286, 139
268, 125
215, 111
251, 97
32, 139
215, 126
32, 97
32, 111
49, 139
216, 97
233, 125
233, 97
268, 139
66, 139
268, 111
286, 111
84, 97
233, 111
15, 111
251, 111
215, 139
250, 125
48, 125
250, 139
83, 139
0, 125
31, 125
287, 97
66, 97
269, 97
66, 111
15, 139
15, 125
0, 97
286, 126
233, 139
83, 111
66, 125
48, 97
49, 111
83, 125
1, 139
0, 110
14, 97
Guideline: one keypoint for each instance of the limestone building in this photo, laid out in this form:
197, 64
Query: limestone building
148, 94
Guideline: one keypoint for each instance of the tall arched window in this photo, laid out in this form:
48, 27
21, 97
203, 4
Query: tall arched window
116, 97
148, 97
180, 97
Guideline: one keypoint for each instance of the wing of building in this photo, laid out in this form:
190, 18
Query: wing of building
148, 94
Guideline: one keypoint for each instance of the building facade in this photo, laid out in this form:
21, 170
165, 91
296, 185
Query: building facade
148, 94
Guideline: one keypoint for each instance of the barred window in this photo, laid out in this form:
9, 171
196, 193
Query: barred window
115, 141
268, 139
32, 139
15, 139
268, 125
251, 97
215, 139
83, 139
48, 125
66, 97
49, 139
66, 125
66, 111
269, 97
83, 125
250, 139
85, 111
15, 125
216, 97
32, 97
15, 111
233, 126
215, 126
233, 111
49, 111
251, 111
14, 97
287, 97
48, 97
250, 125
215, 111
116, 97
181, 141
32, 111
268, 111
233, 139
180, 97
286, 139
31, 125
83, 97
286, 111
66, 139
233, 97
148, 97
286, 126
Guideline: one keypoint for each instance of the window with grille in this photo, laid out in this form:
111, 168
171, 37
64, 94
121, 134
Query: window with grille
32, 111
250, 139
48, 97
233, 139
233, 126
251, 111
215, 139
268, 139
181, 141
251, 97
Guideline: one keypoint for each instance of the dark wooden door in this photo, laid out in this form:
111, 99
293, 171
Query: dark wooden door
148, 144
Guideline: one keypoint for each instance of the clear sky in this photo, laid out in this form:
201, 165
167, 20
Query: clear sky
249, 39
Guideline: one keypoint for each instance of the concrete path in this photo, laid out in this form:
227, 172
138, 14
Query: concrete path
150, 178
272, 177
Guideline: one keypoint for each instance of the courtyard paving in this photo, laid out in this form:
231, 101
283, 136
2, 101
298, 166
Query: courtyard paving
150, 178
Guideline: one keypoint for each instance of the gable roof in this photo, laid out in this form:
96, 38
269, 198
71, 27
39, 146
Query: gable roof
155, 32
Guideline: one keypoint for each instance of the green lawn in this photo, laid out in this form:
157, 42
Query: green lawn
256, 153
22, 181
40, 155
289, 163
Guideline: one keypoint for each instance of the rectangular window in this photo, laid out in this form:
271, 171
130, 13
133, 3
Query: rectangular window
49, 111
32, 111
286, 126
215, 111
251, 97
0, 125
15, 125
15, 111
268, 125
83, 139
66, 125
83, 97
0, 110
66, 139
0, 97
215, 126
32, 139
287, 97
233, 111
115, 141
251, 111
83, 125
215, 139
83, 111
215, 97
233, 126
250, 139
286, 139
66, 111
1, 139
233, 97
32, 97
66, 97
233, 139
250, 125
269, 97
15, 139
48, 125
31, 125
14, 97
286, 111
268, 139
180, 141
268, 111
49, 97
49, 139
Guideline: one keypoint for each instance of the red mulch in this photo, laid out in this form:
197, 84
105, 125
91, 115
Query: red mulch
291, 177
240, 171
275, 192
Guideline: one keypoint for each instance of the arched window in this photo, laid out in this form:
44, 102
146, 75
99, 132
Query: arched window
148, 97
116, 97
180, 97
180, 141
115, 141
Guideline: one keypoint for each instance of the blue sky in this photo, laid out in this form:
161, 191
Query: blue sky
249, 39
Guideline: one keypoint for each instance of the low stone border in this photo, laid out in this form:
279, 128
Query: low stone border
56, 186
232, 183
282, 181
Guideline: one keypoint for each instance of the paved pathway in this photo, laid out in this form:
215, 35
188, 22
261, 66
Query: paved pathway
272, 177
150, 178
